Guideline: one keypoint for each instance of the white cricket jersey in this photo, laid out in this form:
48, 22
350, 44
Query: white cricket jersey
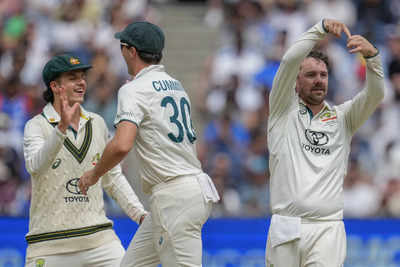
309, 154
62, 219
160, 107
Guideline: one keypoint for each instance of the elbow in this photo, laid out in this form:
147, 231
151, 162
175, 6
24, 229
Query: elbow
382, 93
286, 59
122, 152
292, 56
30, 170
121, 149
29, 167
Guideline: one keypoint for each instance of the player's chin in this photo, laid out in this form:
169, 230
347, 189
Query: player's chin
79, 99
317, 99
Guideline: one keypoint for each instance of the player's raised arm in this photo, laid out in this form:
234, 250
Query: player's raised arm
283, 92
365, 102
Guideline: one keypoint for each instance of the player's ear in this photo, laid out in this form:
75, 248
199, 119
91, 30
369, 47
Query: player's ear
132, 51
54, 87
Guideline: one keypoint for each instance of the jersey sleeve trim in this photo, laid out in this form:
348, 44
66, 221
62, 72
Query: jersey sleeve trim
134, 122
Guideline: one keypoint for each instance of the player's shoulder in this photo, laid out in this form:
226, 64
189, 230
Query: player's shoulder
35, 124
35, 120
131, 87
343, 107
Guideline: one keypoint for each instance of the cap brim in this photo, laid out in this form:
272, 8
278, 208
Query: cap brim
118, 35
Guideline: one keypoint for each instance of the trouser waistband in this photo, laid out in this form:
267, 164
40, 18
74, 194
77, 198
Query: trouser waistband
309, 220
177, 180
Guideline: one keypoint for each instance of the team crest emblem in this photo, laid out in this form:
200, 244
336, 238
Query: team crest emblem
74, 61
39, 263
95, 159
328, 116
56, 164
52, 119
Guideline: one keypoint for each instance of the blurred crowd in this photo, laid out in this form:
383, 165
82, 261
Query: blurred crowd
232, 95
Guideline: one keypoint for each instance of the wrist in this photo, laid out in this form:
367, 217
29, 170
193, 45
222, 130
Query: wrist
141, 219
96, 173
372, 53
62, 127
324, 27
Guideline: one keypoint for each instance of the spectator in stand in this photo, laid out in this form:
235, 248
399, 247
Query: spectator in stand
361, 197
18, 106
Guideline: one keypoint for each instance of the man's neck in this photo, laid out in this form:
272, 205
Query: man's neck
315, 109
139, 67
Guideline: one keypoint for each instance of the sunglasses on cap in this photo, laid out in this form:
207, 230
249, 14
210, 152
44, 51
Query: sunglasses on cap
124, 44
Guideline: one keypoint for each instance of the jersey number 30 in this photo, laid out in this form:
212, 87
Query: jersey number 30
174, 119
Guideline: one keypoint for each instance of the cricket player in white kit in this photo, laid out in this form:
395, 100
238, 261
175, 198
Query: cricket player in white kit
153, 119
67, 228
309, 143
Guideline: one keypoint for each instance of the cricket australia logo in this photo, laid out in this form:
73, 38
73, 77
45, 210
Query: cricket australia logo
316, 138
39, 263
72, 187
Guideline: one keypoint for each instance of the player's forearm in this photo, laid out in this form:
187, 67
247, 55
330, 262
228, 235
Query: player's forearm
117, 187
366, 101
375, 73
375, 84
113, 154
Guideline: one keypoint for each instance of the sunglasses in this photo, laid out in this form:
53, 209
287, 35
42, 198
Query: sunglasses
124, 44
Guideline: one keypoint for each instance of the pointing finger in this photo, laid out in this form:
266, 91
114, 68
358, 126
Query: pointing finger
346, 31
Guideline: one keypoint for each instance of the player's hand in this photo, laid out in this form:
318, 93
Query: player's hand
336, 28
88, 179
357, 43
67, 113
142, 218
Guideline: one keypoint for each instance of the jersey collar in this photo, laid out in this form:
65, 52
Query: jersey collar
327, 106
149, 69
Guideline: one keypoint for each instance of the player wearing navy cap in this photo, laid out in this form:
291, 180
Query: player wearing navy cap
153, 119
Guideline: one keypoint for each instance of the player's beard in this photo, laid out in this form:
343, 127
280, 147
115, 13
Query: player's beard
313, 97
317, 97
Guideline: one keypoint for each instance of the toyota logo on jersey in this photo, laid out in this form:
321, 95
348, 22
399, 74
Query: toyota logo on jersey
72, 186
316, 138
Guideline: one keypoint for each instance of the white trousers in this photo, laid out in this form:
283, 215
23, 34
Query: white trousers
321, 244
172, 234
107, 255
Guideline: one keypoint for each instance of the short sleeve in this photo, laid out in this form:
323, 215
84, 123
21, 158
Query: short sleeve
130, 106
